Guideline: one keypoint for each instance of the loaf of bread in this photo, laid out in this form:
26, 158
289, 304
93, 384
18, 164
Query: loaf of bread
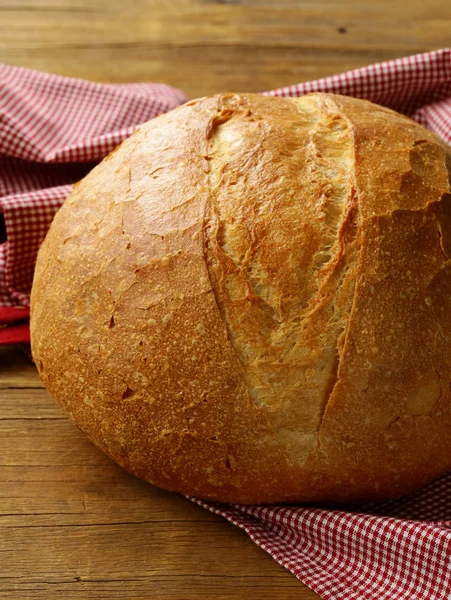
250, 301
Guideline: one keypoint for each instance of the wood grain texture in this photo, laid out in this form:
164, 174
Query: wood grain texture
75, 525
207, 46
72, 523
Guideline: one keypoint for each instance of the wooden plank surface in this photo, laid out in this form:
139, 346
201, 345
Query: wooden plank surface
207, 46
73, 524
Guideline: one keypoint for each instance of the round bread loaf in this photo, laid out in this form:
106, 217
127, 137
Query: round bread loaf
250, 301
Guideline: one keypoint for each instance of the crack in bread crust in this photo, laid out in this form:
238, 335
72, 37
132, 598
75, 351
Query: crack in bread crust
285, 308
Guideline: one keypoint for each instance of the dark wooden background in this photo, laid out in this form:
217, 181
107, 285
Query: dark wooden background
72, 524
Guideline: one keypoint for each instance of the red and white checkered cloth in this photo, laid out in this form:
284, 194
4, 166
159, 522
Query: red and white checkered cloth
52, 130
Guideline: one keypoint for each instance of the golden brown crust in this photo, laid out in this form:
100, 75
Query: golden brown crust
249, 301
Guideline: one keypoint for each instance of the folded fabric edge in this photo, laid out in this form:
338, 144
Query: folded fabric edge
14, 334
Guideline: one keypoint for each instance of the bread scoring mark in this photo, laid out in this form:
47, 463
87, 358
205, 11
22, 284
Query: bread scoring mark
441, 208
443, 215
330, 163
279, 228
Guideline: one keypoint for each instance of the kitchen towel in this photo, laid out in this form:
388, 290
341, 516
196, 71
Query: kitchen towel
53, 130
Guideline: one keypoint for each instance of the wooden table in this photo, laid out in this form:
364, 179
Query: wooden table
72, 524
207, 46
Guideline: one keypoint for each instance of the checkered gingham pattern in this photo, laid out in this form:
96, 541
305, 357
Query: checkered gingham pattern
53, 129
